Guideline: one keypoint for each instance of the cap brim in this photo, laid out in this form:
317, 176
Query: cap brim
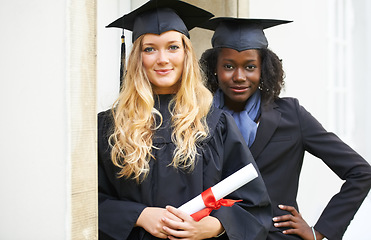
212, 24
191, 15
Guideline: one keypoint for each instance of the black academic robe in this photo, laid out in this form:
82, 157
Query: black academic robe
121, 200
286, 131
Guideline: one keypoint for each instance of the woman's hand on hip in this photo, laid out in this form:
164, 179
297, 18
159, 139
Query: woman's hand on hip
296, 224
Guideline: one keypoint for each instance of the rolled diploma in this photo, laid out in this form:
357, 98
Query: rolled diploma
222, 189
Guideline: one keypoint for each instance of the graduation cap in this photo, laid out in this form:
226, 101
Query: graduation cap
159, 16
240, 33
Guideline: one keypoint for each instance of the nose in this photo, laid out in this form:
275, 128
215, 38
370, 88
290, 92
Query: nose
239, 75
162, 57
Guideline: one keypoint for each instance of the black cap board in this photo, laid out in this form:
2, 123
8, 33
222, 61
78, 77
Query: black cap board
240, 33
158, 16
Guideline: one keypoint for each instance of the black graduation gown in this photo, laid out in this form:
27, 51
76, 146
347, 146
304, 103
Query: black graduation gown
121, 200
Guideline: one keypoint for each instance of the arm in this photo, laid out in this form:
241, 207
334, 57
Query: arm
117, 216
345, 163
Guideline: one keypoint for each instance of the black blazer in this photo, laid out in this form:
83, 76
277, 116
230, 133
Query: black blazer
286, 130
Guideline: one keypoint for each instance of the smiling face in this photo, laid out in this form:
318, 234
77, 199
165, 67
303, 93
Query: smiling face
163, 61
238, 76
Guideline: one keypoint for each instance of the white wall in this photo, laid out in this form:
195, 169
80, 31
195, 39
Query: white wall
108, 52
33, 139
48, 125
109, 40
362, 73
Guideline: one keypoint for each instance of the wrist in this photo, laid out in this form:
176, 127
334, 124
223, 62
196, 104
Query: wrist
220, 234
142, 218
317, 235
211, 227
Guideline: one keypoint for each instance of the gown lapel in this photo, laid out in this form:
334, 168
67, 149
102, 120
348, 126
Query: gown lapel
268, 124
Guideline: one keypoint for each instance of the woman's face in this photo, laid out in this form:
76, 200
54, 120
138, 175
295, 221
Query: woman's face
163, 60
238, 75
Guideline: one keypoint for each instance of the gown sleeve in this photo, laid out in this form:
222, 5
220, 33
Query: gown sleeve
251, 218
346, 164
117, 217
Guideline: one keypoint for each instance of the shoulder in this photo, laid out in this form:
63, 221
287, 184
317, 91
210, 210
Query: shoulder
214, 115
217, 118
290, 104
287, 102
105, 114
215, 121
286, 105
105, 123
220, 122
288, 108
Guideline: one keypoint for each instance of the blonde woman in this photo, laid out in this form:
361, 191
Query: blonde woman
161, 144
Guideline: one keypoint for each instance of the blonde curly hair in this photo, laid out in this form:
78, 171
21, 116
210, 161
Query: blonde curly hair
134, 116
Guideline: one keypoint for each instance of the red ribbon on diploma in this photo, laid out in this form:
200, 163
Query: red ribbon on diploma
211, 204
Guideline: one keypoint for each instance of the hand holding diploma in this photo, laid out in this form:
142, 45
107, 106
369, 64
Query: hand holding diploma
211, 199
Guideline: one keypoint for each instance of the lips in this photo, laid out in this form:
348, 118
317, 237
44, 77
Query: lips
163, 71
239, 89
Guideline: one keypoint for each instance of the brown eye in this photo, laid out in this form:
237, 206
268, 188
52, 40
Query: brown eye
228, 66
250, 67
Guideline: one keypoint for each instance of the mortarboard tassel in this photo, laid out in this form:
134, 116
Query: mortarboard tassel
123, 60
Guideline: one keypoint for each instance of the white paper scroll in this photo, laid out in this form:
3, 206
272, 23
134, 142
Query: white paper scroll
222, 189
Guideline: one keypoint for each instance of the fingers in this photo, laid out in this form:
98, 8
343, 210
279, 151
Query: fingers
288, 220
284, 218
291, 231
289, 217
302, 231
179, 229
290, 209
162, 235
175, 234
188, 228
181, 221
294, 222
172, 216
171, 227
285, 223
173, 222
178, 213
